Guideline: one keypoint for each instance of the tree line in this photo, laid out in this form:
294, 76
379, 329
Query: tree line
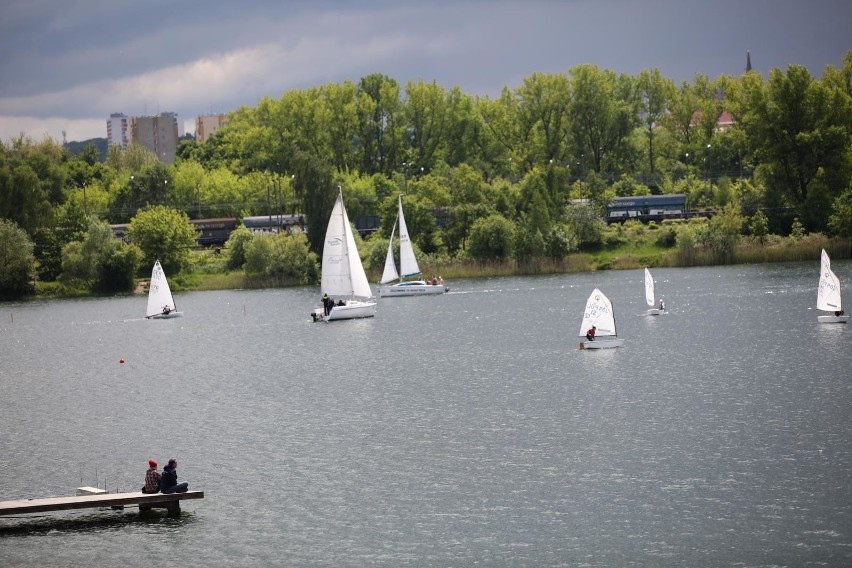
522, 175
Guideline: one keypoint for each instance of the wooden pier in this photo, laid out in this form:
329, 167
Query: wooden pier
146, 501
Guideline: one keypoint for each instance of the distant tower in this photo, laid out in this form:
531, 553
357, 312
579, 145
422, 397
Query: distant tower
748, 61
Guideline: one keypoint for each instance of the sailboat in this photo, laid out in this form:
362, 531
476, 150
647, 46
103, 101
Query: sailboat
654, 309
161, 303
828, 293
343, 274
599, 313
408, 267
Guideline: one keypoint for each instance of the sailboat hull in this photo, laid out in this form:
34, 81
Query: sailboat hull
655, 312
602, 344
353, 309
414, 288
169, 315
833, 319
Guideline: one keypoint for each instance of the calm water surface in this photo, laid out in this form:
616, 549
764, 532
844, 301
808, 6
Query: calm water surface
459, 430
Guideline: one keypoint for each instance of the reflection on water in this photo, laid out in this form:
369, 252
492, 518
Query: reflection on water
453, 430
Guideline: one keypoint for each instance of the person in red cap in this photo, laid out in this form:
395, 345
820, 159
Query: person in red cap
152, 478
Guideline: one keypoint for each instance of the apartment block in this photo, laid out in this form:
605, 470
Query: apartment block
160, 134
207, 125
118, 130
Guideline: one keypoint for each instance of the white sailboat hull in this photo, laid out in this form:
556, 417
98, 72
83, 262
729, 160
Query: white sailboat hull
602, 344
655, 312
166, 316
353, 309
414, 288
833, 319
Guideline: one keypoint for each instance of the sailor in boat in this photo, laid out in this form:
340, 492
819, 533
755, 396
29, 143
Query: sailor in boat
590, 335
662, 305
166, 310
327, 304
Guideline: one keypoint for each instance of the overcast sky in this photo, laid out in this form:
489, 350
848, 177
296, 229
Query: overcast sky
68, 64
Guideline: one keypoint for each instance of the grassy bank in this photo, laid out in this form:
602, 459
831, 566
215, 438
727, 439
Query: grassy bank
208, 270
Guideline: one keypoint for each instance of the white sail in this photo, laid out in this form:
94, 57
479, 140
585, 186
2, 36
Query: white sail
390, 274
828, 294
159, 293
407, 261
342, 271
649, 288
598, 313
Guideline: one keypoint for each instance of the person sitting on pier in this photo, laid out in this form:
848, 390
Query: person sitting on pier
152, 478
168, 480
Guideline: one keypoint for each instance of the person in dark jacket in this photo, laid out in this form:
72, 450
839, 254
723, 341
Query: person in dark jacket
590, 335
168, 479
327, 304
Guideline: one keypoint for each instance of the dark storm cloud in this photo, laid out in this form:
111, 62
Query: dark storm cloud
67, 65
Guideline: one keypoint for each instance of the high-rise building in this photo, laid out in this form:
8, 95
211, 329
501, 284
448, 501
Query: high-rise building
118, 130
157, 133
207, 125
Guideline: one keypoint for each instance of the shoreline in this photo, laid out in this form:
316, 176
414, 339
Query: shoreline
627, 257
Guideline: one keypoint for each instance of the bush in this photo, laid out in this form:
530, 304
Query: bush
236, 246
282, 258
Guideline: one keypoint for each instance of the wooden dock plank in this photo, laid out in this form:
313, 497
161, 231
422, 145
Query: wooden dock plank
23, 506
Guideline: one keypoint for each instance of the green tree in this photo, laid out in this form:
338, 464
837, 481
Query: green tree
759, 226
101, 261
722, 234
840, 220
604, 112
314, 188
655, 94
22, 196
164, 234
586, 225
17, 279
425, 112
491, 238
117, 268
380, 130
801, 129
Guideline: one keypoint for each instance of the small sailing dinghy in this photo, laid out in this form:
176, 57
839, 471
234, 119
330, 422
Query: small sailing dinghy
161, 303
408, 267
343, 274
655, 309
828, 293
600, 315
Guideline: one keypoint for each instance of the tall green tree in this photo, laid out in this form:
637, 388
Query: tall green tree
17, 279
380, 130
491, 238
165, 234
655, 94
801, 130
604, 111
101, 261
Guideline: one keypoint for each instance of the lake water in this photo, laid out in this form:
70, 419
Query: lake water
459, 430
